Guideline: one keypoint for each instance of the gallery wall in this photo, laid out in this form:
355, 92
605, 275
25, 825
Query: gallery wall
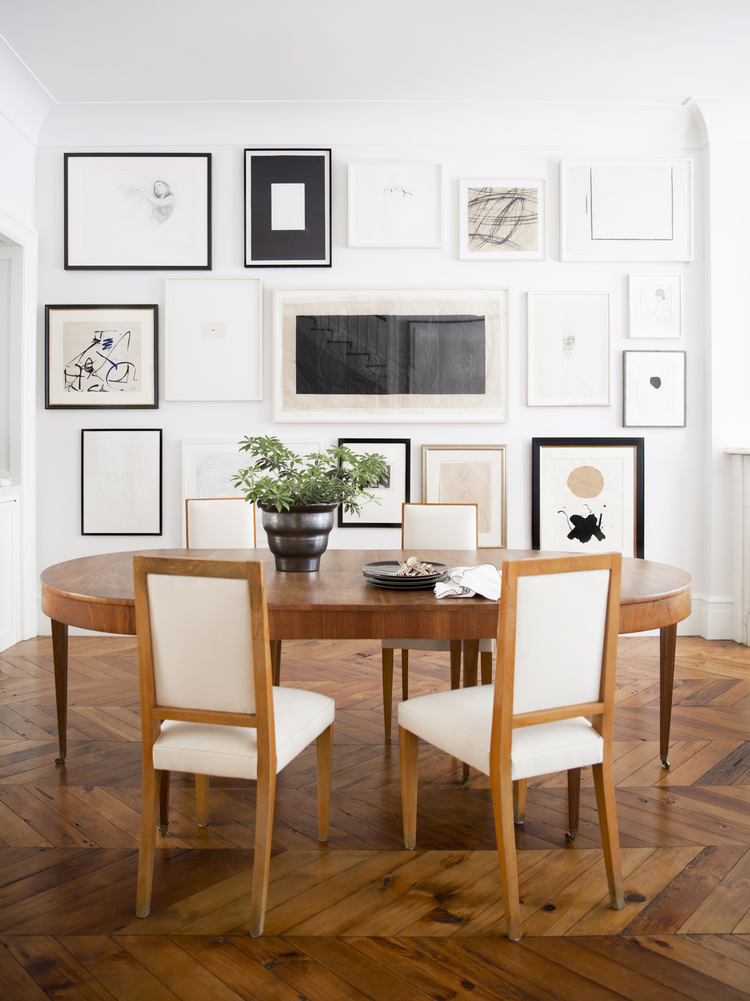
470, 141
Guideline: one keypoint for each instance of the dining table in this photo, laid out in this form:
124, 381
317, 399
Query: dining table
336, 602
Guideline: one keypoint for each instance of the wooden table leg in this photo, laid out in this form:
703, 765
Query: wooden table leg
276, 661
60, 660
667, 647
456, 647
574, 802
471, 663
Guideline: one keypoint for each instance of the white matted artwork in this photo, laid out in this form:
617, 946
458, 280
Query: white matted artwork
395, 205
501, 220
348, 355
568, 349
654, 389
626, 210
208, 465
469, 474
655, 306
213, 337
121, 481
390, 492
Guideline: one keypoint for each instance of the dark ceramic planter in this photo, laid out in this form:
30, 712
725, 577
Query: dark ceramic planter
298, 537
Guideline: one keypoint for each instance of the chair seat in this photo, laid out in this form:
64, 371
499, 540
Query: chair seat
485, 646
460, 723
231, 751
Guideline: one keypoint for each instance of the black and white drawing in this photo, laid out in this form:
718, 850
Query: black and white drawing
655, 306
395, 205
654, 388
390, 492
501, 220
469, 474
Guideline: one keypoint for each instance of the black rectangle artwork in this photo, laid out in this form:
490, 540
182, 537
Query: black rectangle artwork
376, 355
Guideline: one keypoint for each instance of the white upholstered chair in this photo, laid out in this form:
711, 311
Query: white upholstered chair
556, 661
427, 527
219, 523
207, 703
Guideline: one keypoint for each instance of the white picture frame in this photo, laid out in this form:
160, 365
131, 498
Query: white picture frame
502, 220
568, 349
121, 481
655, 306
469, 474
626, 210
407, 341
213, 339
654, 384
395, 204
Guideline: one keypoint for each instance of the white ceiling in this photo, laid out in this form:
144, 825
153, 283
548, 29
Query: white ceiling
493, 50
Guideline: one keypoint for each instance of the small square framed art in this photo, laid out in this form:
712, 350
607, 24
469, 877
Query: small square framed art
389, 493
501, 220
654, 389
395, 205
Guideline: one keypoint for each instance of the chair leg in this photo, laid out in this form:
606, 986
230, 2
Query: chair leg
519, 800
405, 675
265, 796
574, 802
409, 759
201, 799
324, 751
485, 666
604, 785
149, 807
387, 659
502, 807
163, 803
275, 662
456, 653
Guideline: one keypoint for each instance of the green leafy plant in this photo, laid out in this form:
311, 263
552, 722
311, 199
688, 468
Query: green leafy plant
280, 478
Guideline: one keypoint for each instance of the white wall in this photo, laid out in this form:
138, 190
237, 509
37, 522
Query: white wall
476, 140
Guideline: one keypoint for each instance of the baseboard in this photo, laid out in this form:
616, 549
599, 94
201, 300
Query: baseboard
711, 618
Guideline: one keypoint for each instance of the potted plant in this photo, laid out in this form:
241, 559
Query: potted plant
298, 494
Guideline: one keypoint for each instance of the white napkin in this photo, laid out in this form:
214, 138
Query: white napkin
465, 582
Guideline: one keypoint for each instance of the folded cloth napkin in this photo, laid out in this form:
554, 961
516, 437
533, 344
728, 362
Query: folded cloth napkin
465, 582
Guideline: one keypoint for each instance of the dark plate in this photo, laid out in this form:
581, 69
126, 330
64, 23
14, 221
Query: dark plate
388, 570
423, 584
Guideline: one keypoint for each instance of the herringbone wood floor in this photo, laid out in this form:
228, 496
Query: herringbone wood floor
362, 918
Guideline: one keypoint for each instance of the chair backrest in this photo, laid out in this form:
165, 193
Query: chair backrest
203, 651
219, 523
557, 639
439, 526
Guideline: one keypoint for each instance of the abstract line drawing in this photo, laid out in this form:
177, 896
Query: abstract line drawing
395, 205
108, 364
501, 220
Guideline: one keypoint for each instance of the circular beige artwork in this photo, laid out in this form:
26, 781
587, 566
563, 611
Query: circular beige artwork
586, 481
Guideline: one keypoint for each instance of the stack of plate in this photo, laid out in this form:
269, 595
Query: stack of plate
385, 574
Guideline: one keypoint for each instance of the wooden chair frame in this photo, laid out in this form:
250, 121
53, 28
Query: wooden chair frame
504, 721
156, 783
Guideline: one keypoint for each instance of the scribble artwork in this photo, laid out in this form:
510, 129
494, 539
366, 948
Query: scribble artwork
101, 359
503, 219
214, 472
397, 192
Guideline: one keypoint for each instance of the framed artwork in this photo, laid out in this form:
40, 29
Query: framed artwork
212, 339
390, 355
100, 357
208, 465
121, 490
626, 210
287, 208
568, 349
469, 474
654, 389
390, 492
501, 220
137, 211
395, 205
655, 305
587, 495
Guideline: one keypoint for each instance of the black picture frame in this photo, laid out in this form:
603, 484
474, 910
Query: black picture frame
545, 496
399, 486
94, 361
116, 219
121, 481
304, 244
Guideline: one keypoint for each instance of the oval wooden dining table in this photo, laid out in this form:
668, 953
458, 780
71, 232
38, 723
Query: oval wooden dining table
335, 602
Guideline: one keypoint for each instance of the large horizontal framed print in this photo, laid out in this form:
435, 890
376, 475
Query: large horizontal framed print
655, 303
587, 495
654, 389
626, 210
395, 205
568, 349
212, 339
501, 220
287, 208
390, 355
390, 492
121, 481
100, 357
469, 474
137, 211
